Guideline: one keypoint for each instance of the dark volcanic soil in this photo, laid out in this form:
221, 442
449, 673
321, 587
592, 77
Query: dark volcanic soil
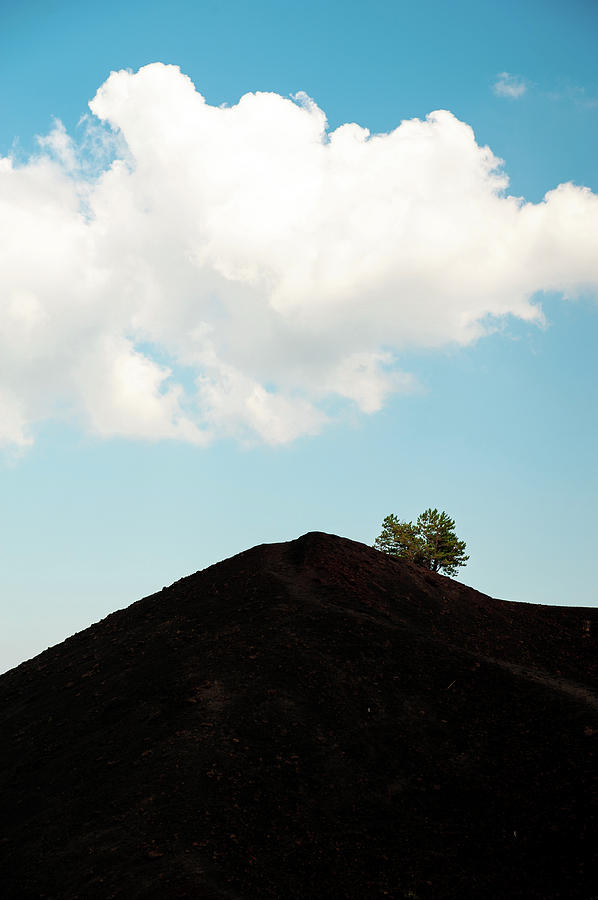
306, 720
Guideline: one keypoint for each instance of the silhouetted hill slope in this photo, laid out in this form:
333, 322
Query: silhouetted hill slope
309, 719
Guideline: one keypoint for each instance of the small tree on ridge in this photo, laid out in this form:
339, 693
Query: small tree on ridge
431, 542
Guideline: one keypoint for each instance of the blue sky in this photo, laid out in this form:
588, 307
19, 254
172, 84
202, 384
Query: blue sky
181, 383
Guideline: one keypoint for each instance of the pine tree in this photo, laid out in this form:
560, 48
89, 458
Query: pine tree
398, 539
431, 542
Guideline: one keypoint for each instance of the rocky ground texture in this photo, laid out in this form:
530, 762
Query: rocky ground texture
308, 719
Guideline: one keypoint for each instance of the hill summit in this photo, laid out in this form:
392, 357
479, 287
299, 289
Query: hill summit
306, 719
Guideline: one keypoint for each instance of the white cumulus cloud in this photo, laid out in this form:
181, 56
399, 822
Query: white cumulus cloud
245, 271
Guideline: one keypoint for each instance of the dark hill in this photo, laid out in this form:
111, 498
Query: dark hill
304, 720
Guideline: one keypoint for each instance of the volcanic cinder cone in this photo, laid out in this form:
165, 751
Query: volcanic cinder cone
309, 719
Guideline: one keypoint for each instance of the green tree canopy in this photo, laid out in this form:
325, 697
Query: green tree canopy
431, 542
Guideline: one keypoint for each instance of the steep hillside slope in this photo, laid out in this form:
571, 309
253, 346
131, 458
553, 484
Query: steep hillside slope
309, 719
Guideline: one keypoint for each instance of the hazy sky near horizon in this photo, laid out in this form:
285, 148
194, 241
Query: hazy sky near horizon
270, 268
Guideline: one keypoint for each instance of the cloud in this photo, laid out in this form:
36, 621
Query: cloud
576, 94
188, 272
507, 85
